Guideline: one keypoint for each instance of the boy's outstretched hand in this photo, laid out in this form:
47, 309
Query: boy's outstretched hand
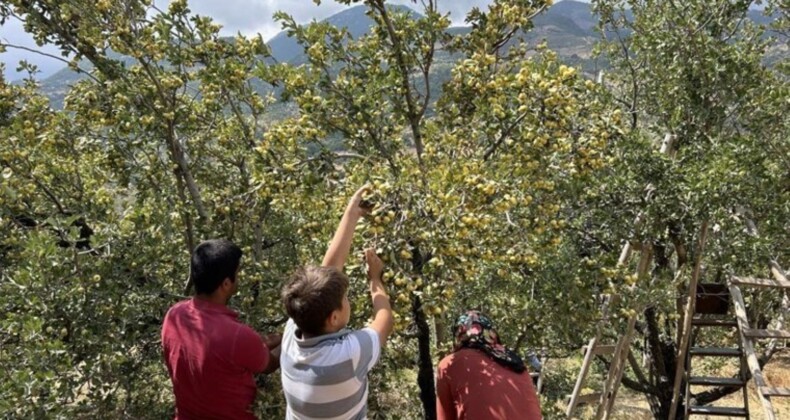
375, 265
357, 206
341, 242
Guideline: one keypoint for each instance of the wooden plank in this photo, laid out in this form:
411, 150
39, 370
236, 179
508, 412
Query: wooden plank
784, 311
667, 144
577, 389
708, 322
589, 398
715, 381
770, 391
688, 315
748, 348
719, 411
624, 254
778, 273
753, 333
616, 371
603, 349
715, 351
757, 282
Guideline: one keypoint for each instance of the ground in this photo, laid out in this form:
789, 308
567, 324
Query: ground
633, 406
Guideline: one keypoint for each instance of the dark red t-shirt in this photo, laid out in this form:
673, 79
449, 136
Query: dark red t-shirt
211, 357
471, 385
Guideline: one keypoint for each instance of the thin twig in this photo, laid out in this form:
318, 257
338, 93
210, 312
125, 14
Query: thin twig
77, 69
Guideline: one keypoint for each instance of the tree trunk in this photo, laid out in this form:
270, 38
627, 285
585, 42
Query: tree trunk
424, 364
661, 402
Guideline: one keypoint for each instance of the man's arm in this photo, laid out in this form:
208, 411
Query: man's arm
272, 342
274, 360
382, 311
340, 246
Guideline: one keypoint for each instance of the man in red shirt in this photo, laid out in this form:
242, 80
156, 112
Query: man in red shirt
210, 355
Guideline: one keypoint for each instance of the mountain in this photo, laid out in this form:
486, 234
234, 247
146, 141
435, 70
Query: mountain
286, 50
568, 27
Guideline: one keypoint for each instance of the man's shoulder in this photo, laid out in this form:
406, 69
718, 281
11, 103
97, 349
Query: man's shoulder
242, 330
177, 309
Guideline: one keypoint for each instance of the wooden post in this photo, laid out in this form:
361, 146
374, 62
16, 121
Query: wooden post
577, 389
667, 146
784, 312
748, 348
600, 78
680, 362
616, 371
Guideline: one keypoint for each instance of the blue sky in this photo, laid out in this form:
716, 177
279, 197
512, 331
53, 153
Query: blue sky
245, 16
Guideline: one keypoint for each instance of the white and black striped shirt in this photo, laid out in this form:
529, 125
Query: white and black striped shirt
326, 377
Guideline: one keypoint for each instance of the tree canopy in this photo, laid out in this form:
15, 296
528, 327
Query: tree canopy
508, 187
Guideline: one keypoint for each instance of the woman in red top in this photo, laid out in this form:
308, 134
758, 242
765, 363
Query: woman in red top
482, 379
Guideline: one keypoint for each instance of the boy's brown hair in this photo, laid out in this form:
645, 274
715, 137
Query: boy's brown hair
312, 294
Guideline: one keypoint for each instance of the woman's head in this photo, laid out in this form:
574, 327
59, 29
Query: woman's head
473, 326
473, 330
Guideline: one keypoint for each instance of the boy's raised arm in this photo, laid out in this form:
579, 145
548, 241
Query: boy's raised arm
340, 246
382, 310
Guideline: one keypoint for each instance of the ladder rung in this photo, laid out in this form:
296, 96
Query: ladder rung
770, 391
708, 322
755, 333
715, 351
719, 411
713, 381
602, 349
755, 282
588, 399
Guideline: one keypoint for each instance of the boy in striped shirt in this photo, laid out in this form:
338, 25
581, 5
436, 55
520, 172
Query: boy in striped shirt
325, 365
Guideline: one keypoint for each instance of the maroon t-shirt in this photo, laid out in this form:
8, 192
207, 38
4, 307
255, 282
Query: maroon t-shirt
471, 385
211, 357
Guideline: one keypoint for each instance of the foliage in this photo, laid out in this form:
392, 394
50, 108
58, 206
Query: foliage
509, 188
697, 73
102, 202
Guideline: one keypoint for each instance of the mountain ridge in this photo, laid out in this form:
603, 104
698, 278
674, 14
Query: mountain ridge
568, 27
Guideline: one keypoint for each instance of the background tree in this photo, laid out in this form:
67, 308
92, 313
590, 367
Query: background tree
696, 71
103, 201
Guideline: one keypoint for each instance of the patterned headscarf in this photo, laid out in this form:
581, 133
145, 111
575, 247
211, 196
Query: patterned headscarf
474, 330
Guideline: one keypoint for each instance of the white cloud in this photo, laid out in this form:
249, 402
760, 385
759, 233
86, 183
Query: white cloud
12, 32
250, 16
245, 16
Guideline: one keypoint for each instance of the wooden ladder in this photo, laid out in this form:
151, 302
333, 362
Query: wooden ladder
619, 351
686, 353
748, 334
694, 352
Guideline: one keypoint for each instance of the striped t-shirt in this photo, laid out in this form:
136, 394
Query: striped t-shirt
326, 377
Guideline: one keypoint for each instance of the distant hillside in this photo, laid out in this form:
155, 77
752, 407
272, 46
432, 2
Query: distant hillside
568, 27
286, 50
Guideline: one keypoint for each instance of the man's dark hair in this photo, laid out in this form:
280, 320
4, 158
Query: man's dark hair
212, 262
312, 294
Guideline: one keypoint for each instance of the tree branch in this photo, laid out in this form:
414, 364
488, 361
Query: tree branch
412, 112
505, 134
76, 68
